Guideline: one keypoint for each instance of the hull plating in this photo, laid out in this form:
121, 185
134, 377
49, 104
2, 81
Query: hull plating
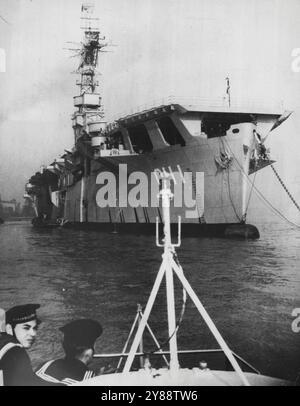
218, 201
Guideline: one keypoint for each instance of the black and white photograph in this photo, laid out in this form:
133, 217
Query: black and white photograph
149, 195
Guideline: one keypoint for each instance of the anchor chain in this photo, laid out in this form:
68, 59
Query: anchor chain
285, 188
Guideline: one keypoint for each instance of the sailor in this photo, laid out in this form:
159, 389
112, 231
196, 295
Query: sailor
262, 151
21, 329
78, 344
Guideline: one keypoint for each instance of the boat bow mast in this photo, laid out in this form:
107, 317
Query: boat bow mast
170, 265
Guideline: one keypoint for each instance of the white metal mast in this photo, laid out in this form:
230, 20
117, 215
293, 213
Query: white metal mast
168, 266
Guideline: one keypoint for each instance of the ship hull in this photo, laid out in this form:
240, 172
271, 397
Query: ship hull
217, 193
219, 198
111, 188
230, 231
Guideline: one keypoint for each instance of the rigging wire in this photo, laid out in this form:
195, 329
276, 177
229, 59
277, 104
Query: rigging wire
230, 197
229, 188
2, 18
261, 196
250, 194
285, 188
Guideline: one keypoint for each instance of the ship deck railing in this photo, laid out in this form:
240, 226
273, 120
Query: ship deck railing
215, 359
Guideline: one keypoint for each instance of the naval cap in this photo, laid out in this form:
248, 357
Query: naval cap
83, 332
22, 313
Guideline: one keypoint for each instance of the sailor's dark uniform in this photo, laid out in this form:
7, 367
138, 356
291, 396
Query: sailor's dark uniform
15, 364
14, 360
79, 335
66, 371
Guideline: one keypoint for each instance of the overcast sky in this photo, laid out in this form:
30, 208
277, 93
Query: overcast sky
163, 48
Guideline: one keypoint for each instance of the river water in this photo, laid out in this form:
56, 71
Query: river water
249, 288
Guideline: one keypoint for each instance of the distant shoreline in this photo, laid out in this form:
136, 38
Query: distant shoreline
8, 219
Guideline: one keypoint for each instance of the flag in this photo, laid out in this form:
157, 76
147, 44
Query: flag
277, 123
281, 119
87, 8
228, 89
228, 86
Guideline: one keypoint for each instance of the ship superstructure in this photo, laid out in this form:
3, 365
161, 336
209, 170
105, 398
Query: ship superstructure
216, 144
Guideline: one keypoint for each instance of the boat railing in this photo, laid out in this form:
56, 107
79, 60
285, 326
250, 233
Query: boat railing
206, 352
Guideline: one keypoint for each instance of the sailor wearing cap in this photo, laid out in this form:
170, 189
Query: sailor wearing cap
78, 344
21, 329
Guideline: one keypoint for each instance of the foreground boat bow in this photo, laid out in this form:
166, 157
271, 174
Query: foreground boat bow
173, 374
